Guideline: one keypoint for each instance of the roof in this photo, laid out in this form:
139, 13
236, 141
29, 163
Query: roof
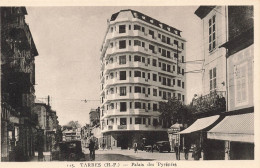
203, 11
149, 20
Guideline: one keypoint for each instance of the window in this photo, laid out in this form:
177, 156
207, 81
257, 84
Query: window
179, 83
168, 54
111, 29
111, 90
122, 106
163, 66
213, 79
164, 81
137, 27
143, 90
143, 74
179, 70
122, 44
122, 121
137, 105
168, 40
160, 64
168, 68
212, 33
183, 85
164, 95
138, 120
122, 75
151, 47
130, 42
154, 92
169, 95
151, 33
164, 52
122, 59
154, 107
137, 58
143, 30
154, 77
137, 74
130, 105
149, 91
130, 89
129, 27
143, 105
163, 39
148, 60
182, 59
111, 45
183, 98
137, 89
182, 45
122, 91
112, 105
121, 28
131, 120
130, 73
169, 82
179, 96
111, 75
143, 60
173, 67
130, 58
149, 106
154, 62
176, 42
240, 81
143, 44
144, 121
160, 93
160, 78
182, 72
137, 43
148, 75
159, 35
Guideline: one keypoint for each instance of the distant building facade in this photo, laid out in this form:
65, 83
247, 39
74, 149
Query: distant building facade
142, 63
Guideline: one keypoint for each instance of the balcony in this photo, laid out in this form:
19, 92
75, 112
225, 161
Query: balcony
210, 103
120, 127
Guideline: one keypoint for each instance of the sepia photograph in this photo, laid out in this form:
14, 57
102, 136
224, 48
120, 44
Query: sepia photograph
87, 84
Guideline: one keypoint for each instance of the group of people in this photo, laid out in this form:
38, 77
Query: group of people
196, 153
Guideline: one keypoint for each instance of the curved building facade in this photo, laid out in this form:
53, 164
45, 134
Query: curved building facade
142, 63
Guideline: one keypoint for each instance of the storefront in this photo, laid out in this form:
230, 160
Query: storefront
237, 134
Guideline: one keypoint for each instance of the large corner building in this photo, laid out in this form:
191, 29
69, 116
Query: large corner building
142, 63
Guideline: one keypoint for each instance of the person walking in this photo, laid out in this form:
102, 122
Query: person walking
177, 151
92, 148
186, 151
135, 147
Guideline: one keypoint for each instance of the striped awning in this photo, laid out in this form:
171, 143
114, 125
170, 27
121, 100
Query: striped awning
200, 124
238, 128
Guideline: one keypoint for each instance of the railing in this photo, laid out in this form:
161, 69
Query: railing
122, 127
212, 102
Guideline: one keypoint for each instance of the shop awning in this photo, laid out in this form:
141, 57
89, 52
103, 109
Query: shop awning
200, 124
238, 128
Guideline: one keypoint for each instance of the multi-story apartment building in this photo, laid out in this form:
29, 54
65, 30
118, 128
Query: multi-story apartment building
18, 52
142, 63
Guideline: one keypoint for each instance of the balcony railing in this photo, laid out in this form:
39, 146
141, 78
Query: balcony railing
122, 127
213, 102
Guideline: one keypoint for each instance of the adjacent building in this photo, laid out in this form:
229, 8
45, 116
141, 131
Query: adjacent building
18, 51
142, 63
224, 128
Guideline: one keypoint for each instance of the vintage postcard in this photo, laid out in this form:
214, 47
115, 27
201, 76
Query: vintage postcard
137, 84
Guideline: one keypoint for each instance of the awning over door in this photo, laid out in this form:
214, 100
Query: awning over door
200, 124
238, 128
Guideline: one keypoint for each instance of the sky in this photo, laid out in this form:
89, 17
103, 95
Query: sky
69, 39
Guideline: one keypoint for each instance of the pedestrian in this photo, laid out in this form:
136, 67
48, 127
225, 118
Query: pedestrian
92, 148
135, 147
177, 152
196, 154
186, 151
